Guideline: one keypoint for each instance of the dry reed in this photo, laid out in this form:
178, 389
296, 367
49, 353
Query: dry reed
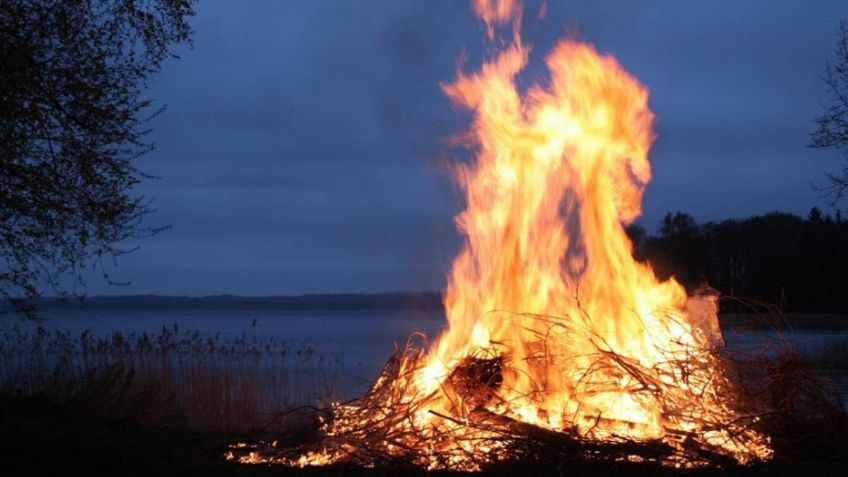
206, 383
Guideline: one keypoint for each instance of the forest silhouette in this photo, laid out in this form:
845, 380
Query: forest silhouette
799, 264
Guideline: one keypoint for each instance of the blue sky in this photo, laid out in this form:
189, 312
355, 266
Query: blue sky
303, 142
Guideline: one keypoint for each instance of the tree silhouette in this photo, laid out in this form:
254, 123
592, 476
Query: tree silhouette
778, 258
72, 121
832, 125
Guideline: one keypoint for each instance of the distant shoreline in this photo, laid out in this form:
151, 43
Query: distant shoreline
397, 301
341, 301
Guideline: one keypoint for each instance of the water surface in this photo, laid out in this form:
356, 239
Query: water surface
360, 341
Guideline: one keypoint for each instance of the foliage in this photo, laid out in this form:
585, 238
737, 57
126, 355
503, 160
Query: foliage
72, 121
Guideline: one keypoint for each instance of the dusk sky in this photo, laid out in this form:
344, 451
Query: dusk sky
303, 144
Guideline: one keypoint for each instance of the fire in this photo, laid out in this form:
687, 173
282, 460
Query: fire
554, 328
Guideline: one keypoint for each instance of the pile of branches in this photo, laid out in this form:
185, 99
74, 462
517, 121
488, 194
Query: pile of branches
777, 397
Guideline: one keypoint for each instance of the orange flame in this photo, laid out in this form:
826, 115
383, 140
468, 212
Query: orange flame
590, 342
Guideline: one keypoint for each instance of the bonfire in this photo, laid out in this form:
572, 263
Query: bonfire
557, 339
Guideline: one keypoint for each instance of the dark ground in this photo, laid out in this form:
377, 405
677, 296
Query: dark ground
40, 437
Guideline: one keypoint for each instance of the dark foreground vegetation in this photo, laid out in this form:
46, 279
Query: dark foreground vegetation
40, 436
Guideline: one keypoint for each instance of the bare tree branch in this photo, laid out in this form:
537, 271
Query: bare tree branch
72, 122
832, 125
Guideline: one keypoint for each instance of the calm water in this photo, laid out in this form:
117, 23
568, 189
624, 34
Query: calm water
360, 340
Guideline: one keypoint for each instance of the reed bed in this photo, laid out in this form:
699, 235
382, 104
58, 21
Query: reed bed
173, 378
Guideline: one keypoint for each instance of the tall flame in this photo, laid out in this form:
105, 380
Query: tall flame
546, 277
556, 175
575, 335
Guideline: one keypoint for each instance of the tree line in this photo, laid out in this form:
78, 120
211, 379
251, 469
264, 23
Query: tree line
799, 264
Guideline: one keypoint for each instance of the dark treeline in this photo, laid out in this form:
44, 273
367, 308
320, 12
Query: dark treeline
782, 259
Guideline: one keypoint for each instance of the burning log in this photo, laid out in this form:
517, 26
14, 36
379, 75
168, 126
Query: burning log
476, 381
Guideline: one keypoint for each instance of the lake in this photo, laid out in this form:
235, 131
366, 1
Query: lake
361, 341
